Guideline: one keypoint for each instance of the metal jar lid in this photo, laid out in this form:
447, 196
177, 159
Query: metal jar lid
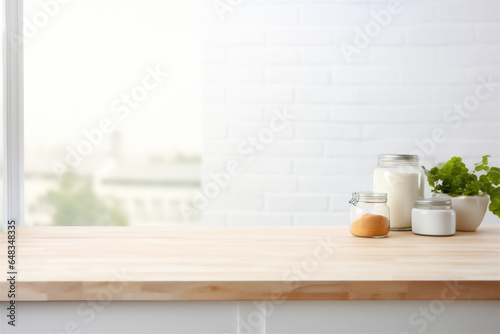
433, 202
368, 197
397, 159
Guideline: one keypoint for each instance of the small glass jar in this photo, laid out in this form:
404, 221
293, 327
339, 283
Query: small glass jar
402, 179
433, 216
369, 215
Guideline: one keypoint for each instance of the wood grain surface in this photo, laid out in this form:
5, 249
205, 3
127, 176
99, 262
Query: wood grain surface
250, 263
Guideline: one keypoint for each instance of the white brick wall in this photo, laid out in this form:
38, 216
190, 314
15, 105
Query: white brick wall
285, 54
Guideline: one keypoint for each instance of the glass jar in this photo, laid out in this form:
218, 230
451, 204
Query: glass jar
369, 215
401, 178
433, 216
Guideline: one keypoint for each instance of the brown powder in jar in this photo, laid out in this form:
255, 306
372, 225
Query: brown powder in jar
370, 225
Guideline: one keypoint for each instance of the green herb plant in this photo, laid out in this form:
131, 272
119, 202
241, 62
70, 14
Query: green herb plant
453, 178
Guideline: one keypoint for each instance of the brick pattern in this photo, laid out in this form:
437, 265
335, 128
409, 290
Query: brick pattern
286, 55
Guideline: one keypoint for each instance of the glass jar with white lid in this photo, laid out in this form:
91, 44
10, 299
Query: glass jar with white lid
401, 177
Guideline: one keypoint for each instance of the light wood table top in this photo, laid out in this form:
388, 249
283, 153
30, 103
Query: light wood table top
250, 263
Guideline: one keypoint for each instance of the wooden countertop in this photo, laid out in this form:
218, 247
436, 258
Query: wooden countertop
250, 263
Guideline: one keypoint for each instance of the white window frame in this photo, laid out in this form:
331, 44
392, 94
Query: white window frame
13, 113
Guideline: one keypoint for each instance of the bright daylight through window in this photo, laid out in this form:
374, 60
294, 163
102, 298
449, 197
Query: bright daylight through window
112, 111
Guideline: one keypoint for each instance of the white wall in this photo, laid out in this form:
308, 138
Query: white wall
286, 55
289, 317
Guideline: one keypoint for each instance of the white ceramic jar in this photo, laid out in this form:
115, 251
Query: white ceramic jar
433, 216
400, 176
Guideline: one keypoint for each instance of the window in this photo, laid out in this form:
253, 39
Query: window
111, 110
2, 101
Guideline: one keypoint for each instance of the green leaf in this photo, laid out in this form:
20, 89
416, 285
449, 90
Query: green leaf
495, 201
483, 165
494, 175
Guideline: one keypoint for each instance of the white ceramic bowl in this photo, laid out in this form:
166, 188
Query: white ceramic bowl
470, 210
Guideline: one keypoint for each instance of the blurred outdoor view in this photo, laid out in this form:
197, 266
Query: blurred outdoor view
112, 112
